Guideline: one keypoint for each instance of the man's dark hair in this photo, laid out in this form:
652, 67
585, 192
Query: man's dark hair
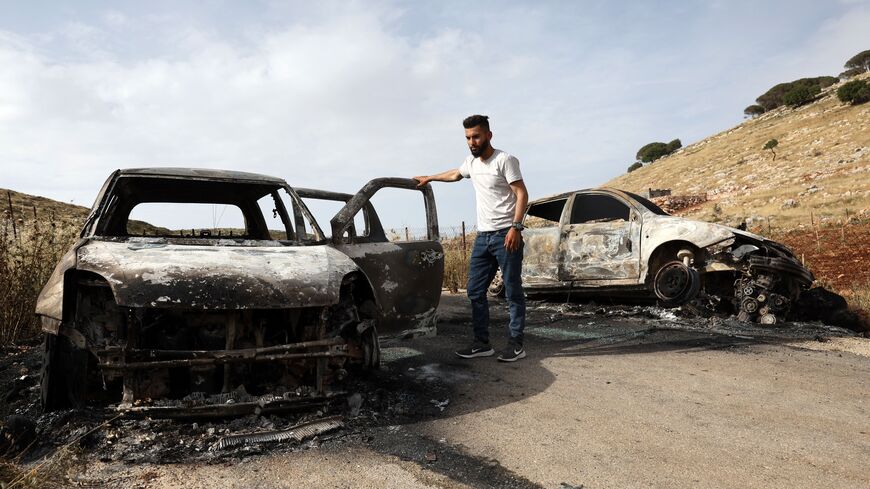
476, 120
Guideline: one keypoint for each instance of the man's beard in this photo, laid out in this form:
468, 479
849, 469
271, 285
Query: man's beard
480, 149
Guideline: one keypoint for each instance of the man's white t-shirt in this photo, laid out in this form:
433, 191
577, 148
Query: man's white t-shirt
492, 177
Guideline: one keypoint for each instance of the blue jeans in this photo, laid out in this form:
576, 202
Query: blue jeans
488, 255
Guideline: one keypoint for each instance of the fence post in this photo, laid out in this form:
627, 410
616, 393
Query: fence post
12, 215
464, 258
407, 236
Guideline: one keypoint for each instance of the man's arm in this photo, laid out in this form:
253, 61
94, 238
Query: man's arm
514, 237
519, 189
447, 176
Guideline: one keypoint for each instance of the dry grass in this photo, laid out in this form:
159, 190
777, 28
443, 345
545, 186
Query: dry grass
860, 297
54, 471
456, 262
30, 246
58, 469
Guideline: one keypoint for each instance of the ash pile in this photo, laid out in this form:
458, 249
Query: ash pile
385, 397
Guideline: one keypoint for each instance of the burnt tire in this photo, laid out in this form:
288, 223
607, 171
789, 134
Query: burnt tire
676, 284
63, 379
51, 379
62, 375
372, 349
369, 343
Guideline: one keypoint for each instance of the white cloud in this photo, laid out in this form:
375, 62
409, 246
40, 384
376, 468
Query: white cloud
338, 95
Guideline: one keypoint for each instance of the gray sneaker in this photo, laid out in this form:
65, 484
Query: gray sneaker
477, 349
512, 353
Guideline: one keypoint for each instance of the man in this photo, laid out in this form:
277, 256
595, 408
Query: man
501, 203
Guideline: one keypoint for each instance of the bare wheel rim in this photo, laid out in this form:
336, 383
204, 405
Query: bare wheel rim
675, 283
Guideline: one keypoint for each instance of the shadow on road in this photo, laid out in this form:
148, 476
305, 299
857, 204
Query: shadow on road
427, 367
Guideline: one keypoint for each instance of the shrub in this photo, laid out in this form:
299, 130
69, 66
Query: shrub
850, 73
753, 110
854, 92
859, 61
775, 97
27, 258
456, 262
800, 95
769, 145
634, 166
652, 152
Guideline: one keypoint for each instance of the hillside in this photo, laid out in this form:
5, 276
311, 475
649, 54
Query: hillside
27, 208
821, 171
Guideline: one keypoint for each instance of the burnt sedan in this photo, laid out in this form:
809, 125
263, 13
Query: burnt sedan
607, 242
256, 298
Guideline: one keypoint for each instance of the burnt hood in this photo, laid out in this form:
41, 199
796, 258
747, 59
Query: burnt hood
154, 273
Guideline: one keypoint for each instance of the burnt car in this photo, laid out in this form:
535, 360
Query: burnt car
609, 243
268, 305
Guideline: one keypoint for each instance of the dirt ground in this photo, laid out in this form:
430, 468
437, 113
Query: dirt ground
623, 396
835, 254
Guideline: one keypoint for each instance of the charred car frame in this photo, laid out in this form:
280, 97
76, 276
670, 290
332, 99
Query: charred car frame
134, 314
606, 242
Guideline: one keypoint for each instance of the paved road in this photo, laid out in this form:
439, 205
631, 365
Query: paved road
626, 400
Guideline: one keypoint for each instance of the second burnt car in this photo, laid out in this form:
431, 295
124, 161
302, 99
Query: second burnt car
606, 242
258, 309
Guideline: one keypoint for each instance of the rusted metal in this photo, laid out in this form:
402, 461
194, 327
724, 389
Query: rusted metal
623, 251
229, 357
385, 264
344, 218
156, 272
297, 433
182, 310
261, 405
136, 359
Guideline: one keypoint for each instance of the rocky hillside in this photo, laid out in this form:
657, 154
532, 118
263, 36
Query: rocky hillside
31, 210
27, 208
821, 171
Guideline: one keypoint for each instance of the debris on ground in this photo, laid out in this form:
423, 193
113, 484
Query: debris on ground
413, 385
441, 405
297, 433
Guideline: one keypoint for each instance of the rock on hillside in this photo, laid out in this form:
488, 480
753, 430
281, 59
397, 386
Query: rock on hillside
822, 167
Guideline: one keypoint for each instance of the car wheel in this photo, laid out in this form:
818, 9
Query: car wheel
371, 348
675, 283
50, 378
367, 348
496, 287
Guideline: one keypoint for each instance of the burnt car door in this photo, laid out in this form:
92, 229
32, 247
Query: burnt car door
405, 275
600, 242
541, 242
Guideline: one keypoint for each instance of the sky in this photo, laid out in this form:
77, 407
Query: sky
332, 94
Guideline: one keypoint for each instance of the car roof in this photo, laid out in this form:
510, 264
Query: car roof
564, 195
202, 174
